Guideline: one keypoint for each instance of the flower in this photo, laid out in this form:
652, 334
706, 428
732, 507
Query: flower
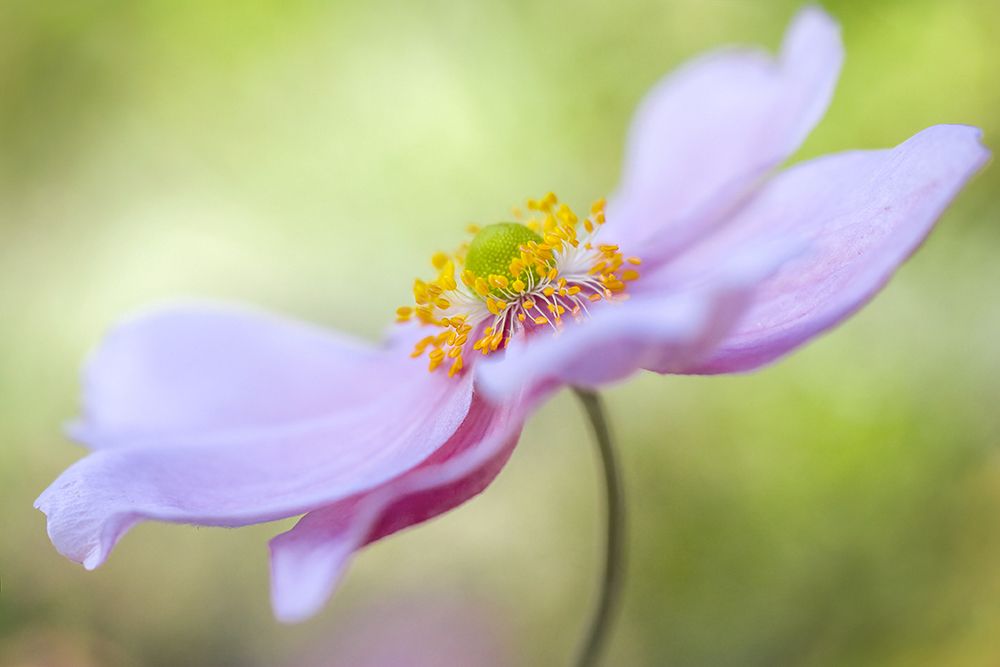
704, 261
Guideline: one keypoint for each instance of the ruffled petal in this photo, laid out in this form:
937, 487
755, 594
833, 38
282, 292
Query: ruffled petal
384, 415
670, 321
308, 561
865, 213
706, 135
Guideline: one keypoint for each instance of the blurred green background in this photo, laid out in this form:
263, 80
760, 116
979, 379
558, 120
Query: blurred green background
839, 508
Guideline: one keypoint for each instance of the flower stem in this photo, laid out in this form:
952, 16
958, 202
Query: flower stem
614, 560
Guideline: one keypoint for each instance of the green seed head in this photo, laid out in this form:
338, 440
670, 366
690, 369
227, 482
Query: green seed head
495, 246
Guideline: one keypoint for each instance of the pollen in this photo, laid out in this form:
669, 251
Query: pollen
516, 279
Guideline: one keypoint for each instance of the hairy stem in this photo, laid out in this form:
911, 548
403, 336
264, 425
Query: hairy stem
614, 560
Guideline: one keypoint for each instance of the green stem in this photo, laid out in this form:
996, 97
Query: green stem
614, 560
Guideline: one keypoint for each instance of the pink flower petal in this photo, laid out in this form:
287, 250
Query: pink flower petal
865, 212
666, 324
706, 135
308, 561
387, 416
198, 367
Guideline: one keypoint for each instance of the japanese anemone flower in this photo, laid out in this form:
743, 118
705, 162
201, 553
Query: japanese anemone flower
704, 261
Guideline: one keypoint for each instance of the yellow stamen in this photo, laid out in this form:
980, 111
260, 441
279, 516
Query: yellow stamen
493, 283
500, 282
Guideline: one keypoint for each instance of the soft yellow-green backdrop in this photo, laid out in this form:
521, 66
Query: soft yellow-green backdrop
840, 508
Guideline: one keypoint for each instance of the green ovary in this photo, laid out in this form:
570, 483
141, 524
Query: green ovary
493, 248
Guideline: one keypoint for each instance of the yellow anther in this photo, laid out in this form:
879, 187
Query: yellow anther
404, 312
455, 367
540, 320
481, 287
630, 275
528, 304
472, 229
439, 260
518, 285
635, 261
549, 291
469, 279
443, 304
420, 291
499, 282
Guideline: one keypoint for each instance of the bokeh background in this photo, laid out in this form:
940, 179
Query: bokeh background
839, 508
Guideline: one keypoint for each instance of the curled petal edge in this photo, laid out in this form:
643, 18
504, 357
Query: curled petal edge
308, 561
239, 476
864, 213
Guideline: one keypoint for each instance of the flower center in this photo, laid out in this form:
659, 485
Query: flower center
513, 278
493, 252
